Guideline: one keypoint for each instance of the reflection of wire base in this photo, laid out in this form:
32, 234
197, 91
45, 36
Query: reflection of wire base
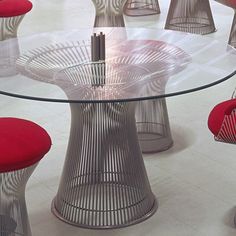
153, 126
104, 182
141, 7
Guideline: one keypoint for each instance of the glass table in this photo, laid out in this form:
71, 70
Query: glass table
104, 183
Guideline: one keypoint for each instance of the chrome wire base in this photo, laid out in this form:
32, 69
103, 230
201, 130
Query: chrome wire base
109, 13
104, 182
9, 26
141, 7
153, 127
192, 16
109, 21
9, 52
232, 36
13, 213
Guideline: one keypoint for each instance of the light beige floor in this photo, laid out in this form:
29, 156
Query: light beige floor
195, 181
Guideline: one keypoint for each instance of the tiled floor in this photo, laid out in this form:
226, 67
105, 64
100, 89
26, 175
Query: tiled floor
195, 180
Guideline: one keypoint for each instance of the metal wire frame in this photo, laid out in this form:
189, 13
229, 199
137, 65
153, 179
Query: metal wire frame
193, 16
153, 126
9, 52
141, 7
13, 212
104, 182
9, 26
232, 36
109, 13
151, 116
227, 133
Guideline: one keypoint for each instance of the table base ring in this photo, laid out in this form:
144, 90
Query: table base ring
88, 226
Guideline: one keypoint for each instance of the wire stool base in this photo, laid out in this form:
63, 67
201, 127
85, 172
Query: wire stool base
153, 127
153, 142
192, 16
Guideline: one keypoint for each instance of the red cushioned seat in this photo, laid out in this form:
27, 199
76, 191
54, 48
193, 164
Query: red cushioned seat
22, 143
217, 114
9, 8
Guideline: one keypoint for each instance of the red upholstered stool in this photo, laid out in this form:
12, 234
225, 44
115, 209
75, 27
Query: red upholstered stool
22, 145
11, 14
222, 121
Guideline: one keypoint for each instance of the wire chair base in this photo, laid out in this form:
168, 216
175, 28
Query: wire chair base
141, 8
105, 221
9, 52
104, 182
109, 13
13, 212
153, 127
9, 26
232, 37
190, 16
109, 21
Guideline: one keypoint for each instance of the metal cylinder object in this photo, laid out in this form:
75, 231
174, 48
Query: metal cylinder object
192, 16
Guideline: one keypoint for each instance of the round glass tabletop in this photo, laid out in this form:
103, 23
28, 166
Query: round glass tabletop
140, 64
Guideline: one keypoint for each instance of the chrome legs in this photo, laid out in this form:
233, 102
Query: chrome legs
104, 182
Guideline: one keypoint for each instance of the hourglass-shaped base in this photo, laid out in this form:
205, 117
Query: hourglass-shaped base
104, 182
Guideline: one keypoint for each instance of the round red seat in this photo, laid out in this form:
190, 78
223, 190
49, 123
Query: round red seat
22, 143
10, 8
218, 113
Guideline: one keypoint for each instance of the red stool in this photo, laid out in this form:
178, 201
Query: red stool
11, 14
222, 121
22, 145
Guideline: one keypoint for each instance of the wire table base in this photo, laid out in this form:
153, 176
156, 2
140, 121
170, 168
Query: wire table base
104, 182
